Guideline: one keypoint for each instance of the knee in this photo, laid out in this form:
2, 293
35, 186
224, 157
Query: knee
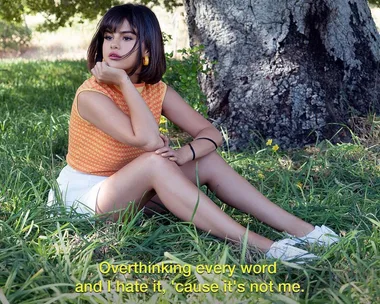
210, 158
210, 164
158, 162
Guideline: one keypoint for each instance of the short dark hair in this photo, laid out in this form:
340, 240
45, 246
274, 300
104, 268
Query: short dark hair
147, 29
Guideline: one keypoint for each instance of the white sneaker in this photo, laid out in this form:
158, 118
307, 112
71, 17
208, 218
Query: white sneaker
321, 235
284, 251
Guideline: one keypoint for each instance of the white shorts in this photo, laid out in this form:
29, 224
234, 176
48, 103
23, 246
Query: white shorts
78, 190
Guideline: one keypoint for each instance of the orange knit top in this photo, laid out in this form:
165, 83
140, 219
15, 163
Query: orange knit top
94, 152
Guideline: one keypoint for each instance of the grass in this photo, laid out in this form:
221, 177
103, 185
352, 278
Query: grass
46, 253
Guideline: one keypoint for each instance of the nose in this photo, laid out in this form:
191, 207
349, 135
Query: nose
114, 45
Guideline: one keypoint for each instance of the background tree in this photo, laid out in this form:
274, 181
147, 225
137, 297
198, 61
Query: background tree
59, 13
286, 69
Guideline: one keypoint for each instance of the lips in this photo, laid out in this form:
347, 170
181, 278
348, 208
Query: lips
114, 56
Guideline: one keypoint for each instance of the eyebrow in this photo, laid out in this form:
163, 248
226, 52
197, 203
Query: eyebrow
127, 32
122, 32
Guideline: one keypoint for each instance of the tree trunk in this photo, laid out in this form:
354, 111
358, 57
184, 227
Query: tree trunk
288, 70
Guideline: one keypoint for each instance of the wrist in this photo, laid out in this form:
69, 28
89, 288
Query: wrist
124, 79
185, 155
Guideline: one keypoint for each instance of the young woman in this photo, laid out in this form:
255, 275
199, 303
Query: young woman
117, 158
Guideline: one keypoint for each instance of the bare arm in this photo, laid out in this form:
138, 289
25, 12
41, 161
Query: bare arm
140, 129
144, 125
201, 147
190, 121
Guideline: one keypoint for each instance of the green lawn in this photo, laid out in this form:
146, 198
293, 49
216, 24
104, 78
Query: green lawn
45, 253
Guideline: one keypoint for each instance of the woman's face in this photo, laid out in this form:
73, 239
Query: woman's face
119, 43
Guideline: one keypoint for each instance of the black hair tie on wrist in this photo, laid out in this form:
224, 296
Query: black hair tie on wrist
216, 146
192, 150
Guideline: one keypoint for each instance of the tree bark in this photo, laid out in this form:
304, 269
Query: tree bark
290, 70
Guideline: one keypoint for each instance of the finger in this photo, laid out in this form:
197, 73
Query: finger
100, 67
104, 66
167, 154
95, 73
162, 150
165, 139
96, 69
166, 142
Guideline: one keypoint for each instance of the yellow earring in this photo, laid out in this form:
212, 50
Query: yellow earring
145, 60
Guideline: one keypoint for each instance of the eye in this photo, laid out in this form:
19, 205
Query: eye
107, 37
127, 38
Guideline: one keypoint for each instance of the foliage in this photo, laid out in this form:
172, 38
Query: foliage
182, 75
11, 11
14, 36
374, 2
168, 4
59, 13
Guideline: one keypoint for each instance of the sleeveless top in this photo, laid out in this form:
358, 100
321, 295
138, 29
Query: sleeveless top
94, 152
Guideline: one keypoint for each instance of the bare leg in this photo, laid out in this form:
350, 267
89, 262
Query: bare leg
230, 187
235, 191
178, 194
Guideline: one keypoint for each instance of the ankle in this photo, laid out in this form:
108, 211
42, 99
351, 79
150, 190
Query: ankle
303, 231
267, 247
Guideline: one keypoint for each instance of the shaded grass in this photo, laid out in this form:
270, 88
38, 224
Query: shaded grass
46, 251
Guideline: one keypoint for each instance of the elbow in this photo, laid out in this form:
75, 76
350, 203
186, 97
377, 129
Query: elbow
217, 136
214, 135
219, 140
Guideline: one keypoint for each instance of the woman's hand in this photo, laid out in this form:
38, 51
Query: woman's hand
104, 73
169, 153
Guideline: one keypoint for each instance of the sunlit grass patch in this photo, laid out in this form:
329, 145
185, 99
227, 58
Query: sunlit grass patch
46, 251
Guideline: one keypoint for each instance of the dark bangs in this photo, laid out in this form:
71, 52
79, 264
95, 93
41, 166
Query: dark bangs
147, 30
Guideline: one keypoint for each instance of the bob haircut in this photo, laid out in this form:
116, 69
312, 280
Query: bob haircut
147, 29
